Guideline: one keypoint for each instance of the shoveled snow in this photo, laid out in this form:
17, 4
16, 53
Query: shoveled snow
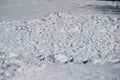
58, 38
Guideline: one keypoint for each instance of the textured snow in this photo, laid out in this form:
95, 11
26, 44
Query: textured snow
58, 38
82, 37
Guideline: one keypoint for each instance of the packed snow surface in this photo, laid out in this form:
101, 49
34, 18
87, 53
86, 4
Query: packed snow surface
58, 38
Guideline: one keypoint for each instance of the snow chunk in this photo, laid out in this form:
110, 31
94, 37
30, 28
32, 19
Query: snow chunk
62, 58
12, 54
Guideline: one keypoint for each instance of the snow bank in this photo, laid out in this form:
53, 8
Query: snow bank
82, 38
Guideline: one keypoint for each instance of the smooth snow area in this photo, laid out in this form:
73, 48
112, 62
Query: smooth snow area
59, 39
70, 72
31, 9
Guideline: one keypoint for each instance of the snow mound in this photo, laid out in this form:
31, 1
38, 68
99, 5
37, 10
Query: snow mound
85, 38
57, 38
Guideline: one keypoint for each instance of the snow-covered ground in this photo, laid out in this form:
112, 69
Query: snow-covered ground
59, 40
31, 9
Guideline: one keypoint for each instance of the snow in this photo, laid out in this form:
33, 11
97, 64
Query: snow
42, 40
82, 37
32, 9
69, 72
62, 58
58, 38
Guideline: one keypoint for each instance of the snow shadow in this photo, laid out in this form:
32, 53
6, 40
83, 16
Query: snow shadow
109, 0
106, 9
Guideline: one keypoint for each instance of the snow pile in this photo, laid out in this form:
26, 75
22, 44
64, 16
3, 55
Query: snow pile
58, 38
81, 38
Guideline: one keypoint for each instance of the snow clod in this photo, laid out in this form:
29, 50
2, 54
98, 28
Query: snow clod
62, 58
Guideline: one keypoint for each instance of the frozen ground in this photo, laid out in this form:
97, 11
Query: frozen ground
43, 40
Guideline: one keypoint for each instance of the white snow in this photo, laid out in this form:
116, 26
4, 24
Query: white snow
58, 40
32, 9
61, 58
82, 37
70, 72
